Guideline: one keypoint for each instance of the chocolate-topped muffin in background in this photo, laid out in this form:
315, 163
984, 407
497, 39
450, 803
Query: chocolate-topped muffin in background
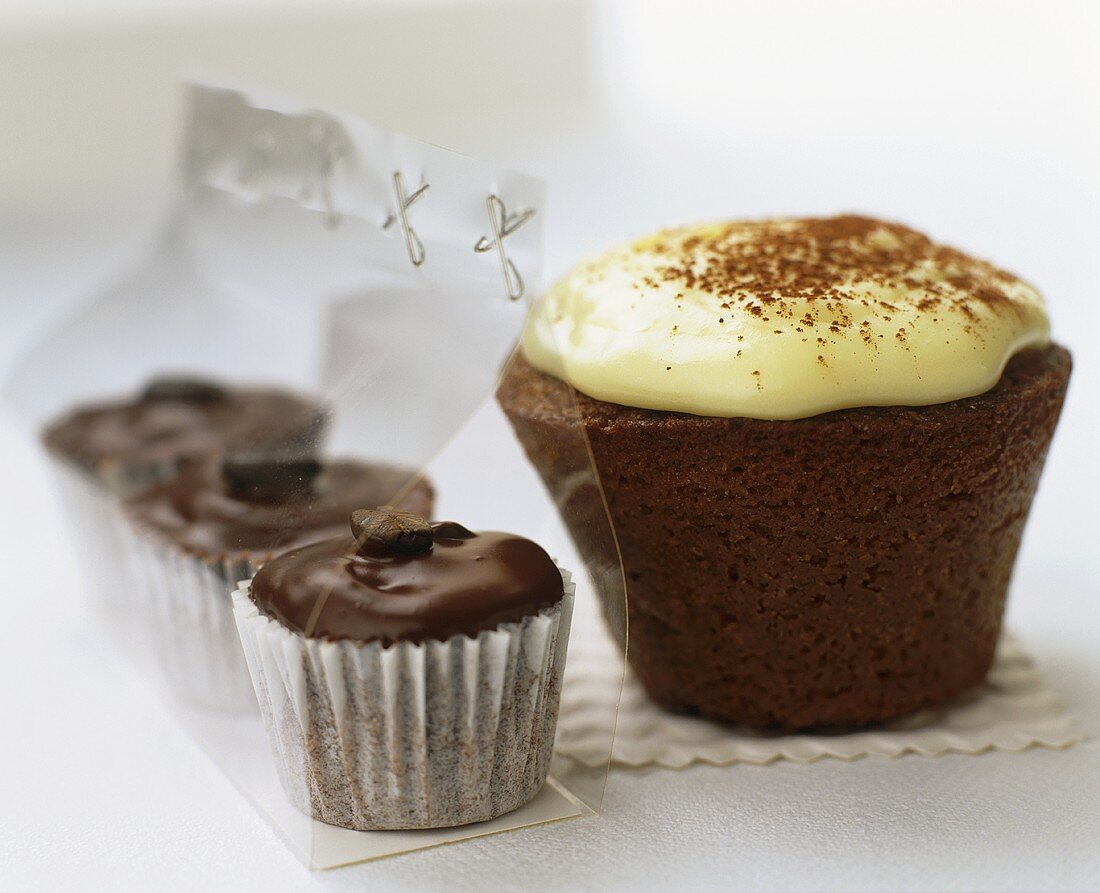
818, 439
193, 538
129, 444
103, 451
409, 674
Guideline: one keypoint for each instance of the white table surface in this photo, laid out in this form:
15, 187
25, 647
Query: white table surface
100, 790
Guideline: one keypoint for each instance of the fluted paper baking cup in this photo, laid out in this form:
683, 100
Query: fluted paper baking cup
93, 509
407, 736
188, 601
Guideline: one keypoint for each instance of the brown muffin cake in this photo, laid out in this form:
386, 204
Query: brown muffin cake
409, 674
824, 571
251, 506
131, 443
106, 451
863, 556
192, 539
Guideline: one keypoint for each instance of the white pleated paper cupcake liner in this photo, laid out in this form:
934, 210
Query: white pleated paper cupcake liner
93, 509
407, 736
188, 602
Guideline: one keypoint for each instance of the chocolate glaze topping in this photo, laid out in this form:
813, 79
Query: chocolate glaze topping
241, 504
180, 417
361, 589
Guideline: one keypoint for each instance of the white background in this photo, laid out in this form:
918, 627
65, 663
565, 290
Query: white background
978, 122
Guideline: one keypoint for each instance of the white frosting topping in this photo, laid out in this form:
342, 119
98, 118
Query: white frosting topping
783, 319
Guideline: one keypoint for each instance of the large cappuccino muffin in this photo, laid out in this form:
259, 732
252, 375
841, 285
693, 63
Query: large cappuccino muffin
818, 441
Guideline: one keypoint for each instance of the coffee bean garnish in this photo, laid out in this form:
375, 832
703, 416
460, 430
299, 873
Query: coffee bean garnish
390, 531
191, 390
265, 478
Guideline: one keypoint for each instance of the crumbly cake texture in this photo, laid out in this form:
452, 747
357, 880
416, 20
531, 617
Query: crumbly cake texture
783, 318
831, 572
406, 736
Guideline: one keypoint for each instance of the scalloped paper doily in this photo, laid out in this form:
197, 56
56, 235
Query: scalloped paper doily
1013, 712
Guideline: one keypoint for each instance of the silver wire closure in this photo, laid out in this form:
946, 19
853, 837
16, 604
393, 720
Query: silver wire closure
503, 225
413, 245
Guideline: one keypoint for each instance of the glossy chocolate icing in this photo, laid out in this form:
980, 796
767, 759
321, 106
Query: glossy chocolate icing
463, 583
210, 512
178, 418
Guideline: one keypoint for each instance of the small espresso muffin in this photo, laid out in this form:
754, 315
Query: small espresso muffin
192, 539
409, 674
126, 445
818, 441
105, 451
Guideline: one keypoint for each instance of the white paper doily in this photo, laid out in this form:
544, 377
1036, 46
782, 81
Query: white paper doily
1013, 712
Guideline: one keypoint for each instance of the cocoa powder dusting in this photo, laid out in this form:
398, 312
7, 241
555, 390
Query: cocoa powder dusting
762, 267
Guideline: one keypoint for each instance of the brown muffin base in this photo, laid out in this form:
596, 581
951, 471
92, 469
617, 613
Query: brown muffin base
828, 572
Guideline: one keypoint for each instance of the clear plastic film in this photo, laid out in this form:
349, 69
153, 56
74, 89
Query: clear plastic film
323, 327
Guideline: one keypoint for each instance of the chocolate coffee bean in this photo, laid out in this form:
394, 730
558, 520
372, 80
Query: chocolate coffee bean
263, 477
391, 531
191, 390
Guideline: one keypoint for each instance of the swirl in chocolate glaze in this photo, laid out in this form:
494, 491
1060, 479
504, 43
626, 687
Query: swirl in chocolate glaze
463, 583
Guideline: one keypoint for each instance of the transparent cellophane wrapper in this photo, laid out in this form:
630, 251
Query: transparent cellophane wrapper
389, 280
